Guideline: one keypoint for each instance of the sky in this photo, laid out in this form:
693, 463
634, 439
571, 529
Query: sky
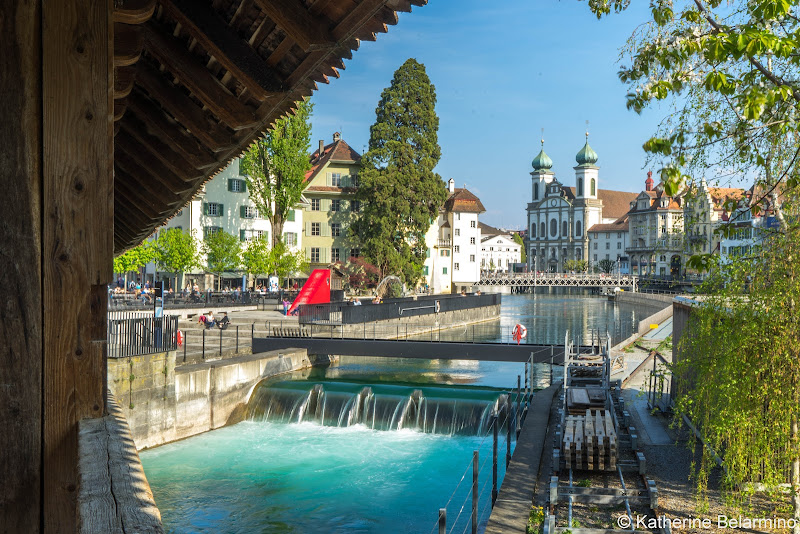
503, 70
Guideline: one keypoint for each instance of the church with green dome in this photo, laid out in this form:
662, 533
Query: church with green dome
560, 217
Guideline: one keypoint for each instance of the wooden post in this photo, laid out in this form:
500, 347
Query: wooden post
494, 458
442, 520
508, 430
220, 342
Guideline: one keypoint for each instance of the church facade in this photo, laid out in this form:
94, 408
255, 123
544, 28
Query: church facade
560, 216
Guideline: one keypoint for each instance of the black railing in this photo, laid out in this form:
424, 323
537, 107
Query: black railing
136, 333
348, 313
130, 302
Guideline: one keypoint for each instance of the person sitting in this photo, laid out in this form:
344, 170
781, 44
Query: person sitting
210, 319
223, 323
356, 302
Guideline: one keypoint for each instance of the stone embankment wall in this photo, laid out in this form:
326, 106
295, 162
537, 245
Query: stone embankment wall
661, 305
164, 404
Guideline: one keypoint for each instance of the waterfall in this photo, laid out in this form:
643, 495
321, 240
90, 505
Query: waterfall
437, 409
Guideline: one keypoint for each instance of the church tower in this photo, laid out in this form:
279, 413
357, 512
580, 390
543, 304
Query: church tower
541, 175
586, 173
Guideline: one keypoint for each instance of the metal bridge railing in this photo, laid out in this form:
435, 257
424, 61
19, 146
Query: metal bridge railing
137, 333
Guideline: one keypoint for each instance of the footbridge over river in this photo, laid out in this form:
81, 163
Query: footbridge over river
421, 349
524, 280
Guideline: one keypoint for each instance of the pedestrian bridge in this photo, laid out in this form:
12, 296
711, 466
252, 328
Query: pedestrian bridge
559, 280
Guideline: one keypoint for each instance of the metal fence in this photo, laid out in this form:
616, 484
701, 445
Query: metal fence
348, 313
136, 333
129, 301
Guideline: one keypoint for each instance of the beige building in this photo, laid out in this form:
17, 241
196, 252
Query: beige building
329, 207
703, 211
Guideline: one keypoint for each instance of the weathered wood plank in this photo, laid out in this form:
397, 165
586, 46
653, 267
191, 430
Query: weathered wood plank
21, 276
127, 44
226, 46
308, 31
134, 11
77, 129
171, 52
124, 79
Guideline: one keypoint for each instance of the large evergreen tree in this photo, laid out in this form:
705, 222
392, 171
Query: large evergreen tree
276, 166
398, 189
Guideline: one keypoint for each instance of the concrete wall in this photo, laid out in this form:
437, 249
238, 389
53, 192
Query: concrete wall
645, 299
164, 404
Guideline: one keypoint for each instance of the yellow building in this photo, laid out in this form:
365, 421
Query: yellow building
329, 209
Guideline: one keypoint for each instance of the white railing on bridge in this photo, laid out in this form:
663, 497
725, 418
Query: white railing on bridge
558, 279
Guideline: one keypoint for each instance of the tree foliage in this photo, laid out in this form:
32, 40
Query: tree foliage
360, 275
399, 191
222, 251
578, 266
606, 266
731, 70
176, 251
256, 257
134, 259
285, 262
521, 242
275, 167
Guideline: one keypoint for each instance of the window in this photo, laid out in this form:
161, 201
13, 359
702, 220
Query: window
290, 239
336, 229
335, 255
355, 206
619, 235
336, 205
533, 230
458, 231
457, 248
472, 224
543, 228
471, 240
595, 245
580, 187
315, 204
247, 235
444, 253
535, 191
593, 187
472, 258
213, 209
619, 244
428, 253
564, 229
608, 245
553, 227
444, 270
607, 258
315, 254
595, 257
211, 230
491, 248
355, 253
336, 179
290, 216
578, 228
425, 270
315, 228
354, 180
608, 235
455, 266
248, 212
236, 185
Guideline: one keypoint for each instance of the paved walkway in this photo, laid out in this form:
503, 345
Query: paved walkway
663, 331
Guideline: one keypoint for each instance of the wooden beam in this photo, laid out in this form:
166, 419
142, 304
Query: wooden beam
163, 192
281, 50
119, 109
134, 11
356, 18
127, 44
158, 125
21, 352
308, 31
77, 236
125, 189
171, 52
193, 118
236, 55
155, 148
124, 79
127, 144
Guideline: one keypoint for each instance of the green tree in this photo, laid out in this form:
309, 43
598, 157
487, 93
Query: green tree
399, 191
223, 253
256, 258
286, 263
521, 242
578, 266
134, 259
606, 266
175, 251
275, 167
492, 266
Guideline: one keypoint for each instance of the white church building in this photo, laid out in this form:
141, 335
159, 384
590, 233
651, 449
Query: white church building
559, 216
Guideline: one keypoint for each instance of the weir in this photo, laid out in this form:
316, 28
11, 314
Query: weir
434, 410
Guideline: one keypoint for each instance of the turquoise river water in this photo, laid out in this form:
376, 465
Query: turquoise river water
367, 445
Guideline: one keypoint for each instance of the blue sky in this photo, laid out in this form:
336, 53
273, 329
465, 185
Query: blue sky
503, 70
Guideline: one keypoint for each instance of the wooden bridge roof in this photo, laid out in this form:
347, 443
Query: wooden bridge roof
196, 82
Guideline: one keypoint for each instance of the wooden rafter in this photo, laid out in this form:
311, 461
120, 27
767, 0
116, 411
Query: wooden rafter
160, 126
308, 31
162, 151
171, 52
155, 166
127, 44
134, 11
184, 110
167, 192
124, 79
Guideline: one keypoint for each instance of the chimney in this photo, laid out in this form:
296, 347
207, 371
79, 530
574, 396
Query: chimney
336, 136
648, 184
451, 185
321, 147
